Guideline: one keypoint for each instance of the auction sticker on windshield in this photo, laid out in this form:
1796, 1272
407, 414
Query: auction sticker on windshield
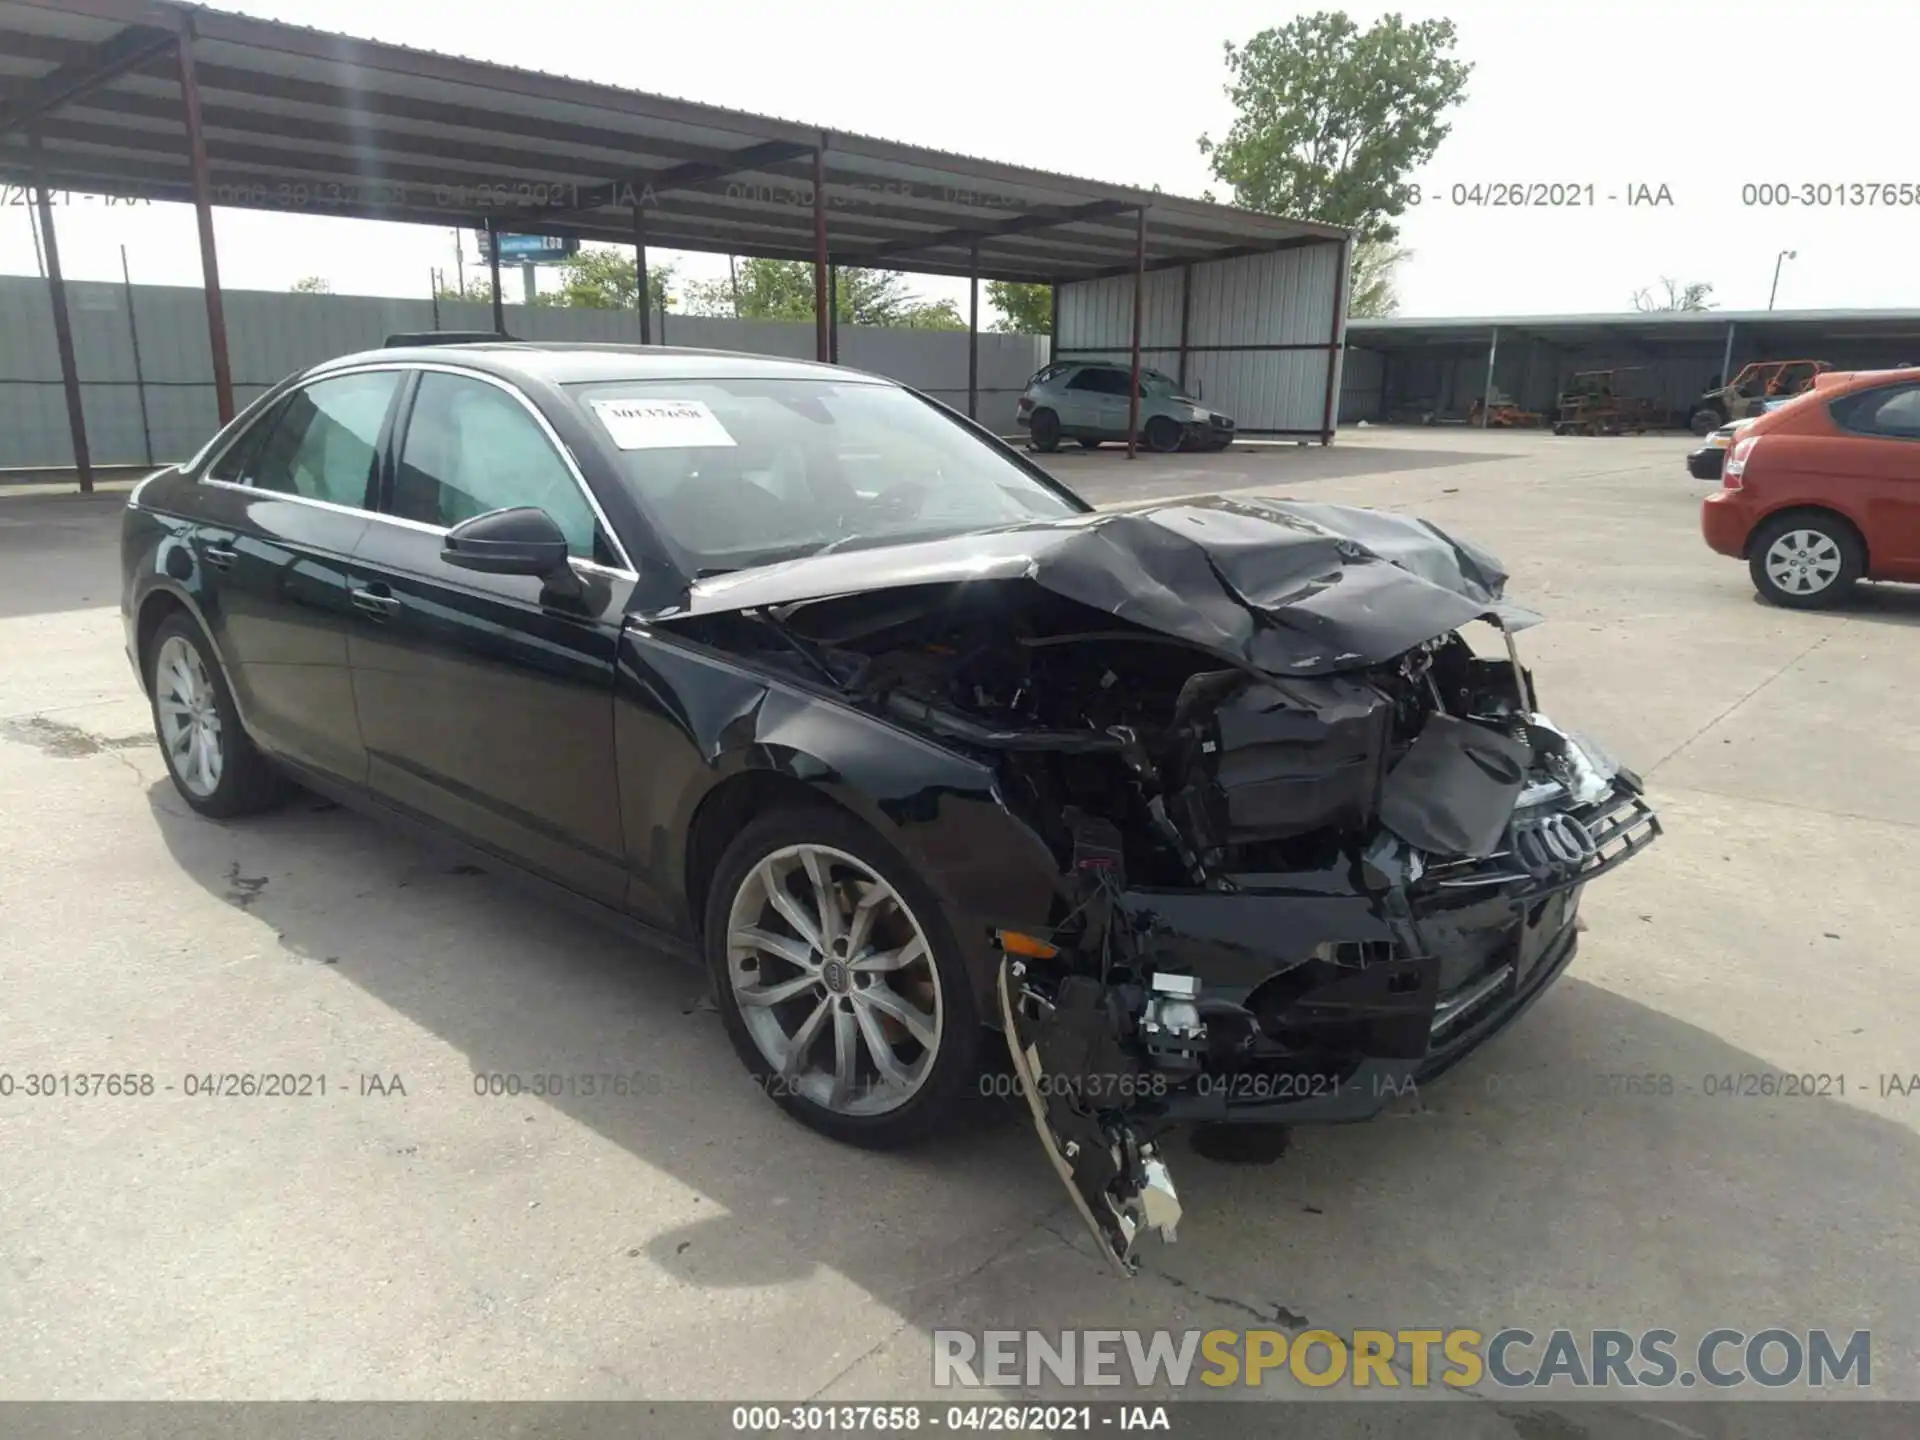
661, 424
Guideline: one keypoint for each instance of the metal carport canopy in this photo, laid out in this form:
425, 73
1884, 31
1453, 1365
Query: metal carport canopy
300, 120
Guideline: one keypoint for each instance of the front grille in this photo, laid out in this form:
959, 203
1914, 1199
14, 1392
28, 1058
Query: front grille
1548, 848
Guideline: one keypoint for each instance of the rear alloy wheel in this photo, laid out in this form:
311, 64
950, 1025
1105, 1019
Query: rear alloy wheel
1163, 435
213, 763
1805, 562
839, 983
1045, 430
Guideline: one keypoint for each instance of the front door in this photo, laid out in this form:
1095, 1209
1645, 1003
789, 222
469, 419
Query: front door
486, 702
285, 506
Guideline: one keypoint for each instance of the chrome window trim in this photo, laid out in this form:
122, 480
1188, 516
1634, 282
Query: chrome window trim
624, 571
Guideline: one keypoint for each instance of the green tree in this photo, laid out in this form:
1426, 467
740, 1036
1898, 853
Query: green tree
761, 289
1678, 297
1331, 119
605, 278
1372, 291
312, 285
479, 288
1024, 309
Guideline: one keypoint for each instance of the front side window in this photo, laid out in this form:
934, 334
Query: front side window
323, 440
734, 473
472, 447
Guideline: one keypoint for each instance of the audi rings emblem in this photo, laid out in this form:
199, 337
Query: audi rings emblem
1551, 843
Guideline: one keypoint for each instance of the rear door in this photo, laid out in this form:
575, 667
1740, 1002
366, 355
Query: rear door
486, 702
1080, 401
283, 509
1877, 457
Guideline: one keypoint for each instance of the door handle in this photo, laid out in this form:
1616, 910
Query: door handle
220, 554
376, 601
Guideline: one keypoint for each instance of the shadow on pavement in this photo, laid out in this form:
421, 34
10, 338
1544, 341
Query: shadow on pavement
1528, 1187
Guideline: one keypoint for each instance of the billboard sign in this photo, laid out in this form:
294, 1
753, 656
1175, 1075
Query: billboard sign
532, 249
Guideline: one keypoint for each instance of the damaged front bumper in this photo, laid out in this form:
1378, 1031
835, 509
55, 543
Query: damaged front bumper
1297, 998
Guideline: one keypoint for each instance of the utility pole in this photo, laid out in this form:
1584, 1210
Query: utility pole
1783, 255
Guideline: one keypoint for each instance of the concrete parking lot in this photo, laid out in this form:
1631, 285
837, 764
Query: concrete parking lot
428, 1242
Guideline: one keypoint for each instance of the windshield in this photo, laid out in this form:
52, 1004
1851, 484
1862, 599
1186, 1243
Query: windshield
735, 473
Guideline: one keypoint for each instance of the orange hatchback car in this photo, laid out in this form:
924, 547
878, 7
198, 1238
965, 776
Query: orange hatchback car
1825, 491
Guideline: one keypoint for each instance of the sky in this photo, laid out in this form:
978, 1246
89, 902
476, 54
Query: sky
1693, 98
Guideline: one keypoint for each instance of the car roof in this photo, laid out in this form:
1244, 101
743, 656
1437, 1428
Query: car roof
566, 363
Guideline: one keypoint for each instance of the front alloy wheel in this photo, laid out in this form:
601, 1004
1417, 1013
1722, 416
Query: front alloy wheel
838, 978
834, 979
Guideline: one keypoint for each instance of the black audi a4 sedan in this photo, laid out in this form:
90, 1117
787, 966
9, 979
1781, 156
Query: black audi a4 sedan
1209, 807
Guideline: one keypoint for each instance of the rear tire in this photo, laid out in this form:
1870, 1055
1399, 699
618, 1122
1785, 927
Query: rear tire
1705, 421
1045, 430
213, 763
1805, 560
899, 1000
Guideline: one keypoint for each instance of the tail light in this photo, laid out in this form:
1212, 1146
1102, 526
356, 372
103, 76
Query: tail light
1736, 466
1026, 404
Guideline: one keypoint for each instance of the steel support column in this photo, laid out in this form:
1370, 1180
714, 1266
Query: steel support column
822, 306
1486, 397
62, 328
1726, 360
1139, 310
493, 277
1053, 333
1186, 317
1329, 413
203, 215
642, 298
833, 313
973, 334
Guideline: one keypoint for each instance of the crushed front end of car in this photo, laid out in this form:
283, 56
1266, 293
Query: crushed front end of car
1313, 845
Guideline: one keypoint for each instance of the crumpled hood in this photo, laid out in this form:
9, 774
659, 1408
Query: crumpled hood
1283, 586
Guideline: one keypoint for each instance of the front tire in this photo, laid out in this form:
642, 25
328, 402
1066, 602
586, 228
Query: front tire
838, 979
1163, 436
1805, 561
213, 763
1705, 421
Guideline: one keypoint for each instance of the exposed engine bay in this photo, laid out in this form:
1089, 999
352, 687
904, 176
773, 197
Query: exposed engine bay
1306, 858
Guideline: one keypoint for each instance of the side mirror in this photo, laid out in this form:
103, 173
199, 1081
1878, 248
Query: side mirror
520, 541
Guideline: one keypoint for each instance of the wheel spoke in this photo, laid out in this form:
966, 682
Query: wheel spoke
862, 921
919, 1024
876, 961
794, 952
804, 925
892, 1072
832, 920
780, 990
802, 1040
846, 1054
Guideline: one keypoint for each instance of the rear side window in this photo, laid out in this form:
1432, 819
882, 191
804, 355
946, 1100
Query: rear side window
1893, 411
324, 439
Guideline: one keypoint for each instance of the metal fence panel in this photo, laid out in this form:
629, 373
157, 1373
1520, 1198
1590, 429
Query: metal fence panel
273, 334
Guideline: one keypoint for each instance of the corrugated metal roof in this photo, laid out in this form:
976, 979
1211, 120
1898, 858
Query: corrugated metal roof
1645, 325
301, 120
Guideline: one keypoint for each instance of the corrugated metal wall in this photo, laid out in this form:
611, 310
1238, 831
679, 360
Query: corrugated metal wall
1258, 332
270, 335
1445, 379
